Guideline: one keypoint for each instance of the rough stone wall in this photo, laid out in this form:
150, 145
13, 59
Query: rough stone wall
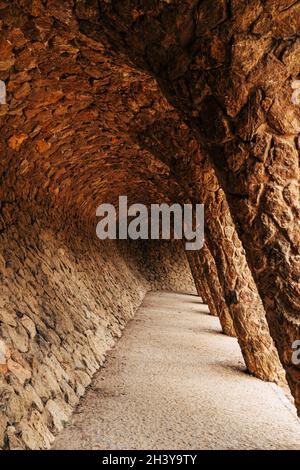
222, 261
65, 299
65, 133
65, 148
64, 127
164, 264
229, 68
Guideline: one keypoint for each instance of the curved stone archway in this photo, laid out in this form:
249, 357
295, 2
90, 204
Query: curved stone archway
168, 101
229, 71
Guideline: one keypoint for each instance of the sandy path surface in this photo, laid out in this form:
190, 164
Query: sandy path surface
174, 381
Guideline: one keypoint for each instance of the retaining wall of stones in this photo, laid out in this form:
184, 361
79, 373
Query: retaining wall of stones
65, 299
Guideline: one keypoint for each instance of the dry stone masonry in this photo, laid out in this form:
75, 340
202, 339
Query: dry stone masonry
64, 302
228, 67
163, 101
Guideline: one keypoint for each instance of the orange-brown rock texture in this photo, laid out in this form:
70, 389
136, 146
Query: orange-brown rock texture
64, 302
228, 67
66, 296
223, 259
162, 101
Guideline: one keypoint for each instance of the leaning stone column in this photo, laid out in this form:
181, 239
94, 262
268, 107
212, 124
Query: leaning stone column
240, 291
229, 72
206, 265
201, 283
198, 282
204, 274
174, 144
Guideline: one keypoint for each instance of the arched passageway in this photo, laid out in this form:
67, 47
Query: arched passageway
163, 102
163, 388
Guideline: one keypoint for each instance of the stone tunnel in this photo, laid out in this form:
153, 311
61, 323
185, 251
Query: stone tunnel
164, 101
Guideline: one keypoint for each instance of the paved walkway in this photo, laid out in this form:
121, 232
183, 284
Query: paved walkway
174, 381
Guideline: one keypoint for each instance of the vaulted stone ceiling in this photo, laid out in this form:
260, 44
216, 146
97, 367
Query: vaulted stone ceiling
229, 70
170, 100
71, 104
